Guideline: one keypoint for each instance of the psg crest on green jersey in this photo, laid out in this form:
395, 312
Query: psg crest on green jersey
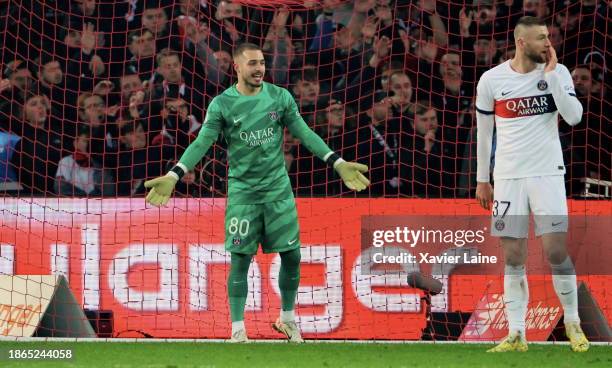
273, 115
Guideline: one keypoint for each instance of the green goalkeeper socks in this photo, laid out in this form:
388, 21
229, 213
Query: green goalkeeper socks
237, 287
289, 278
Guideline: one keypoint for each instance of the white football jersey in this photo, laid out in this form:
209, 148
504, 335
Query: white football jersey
525, 119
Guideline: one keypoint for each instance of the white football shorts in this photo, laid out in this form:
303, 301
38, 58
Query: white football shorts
515, 199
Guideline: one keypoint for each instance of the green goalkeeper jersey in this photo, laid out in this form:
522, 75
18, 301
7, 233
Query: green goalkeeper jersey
253, 127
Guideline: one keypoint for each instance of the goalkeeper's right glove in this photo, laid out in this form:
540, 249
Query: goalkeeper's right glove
161, 189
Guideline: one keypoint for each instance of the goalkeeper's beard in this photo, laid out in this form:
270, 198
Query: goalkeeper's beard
253, 84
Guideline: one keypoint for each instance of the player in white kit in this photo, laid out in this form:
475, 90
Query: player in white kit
523, 98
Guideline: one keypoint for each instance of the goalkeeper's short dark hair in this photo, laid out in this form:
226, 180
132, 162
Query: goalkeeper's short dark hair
244, 47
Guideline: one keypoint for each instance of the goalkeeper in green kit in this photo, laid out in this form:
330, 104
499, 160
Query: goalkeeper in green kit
252, 115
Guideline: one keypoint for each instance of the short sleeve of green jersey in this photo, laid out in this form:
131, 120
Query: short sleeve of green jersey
209, 132
293, 120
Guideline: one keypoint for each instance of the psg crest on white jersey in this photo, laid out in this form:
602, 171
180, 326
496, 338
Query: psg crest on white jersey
542, 85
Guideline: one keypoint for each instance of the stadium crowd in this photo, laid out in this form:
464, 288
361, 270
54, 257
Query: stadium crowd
98, 96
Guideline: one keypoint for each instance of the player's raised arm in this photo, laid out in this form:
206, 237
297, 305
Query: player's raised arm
484, 125
562, 87
350, 172
162, 187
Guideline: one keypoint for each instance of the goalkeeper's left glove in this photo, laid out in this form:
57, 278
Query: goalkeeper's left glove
352, 175
161, 189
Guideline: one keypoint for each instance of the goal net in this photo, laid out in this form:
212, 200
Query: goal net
98, 96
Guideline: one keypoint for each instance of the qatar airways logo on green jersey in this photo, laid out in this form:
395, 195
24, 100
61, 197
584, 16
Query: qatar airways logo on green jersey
258, 137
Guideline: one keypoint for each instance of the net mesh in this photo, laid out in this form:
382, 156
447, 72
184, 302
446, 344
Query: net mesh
98, 96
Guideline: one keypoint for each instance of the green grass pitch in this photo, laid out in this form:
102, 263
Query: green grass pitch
218, 354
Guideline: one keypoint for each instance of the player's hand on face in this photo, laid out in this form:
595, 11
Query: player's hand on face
352, 175
551, 59
161, 190
484, 195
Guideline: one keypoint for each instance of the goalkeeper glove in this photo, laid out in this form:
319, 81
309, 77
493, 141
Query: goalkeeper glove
161, 189
351, 174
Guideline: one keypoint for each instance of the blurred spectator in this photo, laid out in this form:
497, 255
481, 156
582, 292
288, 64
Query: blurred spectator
424, 16
420, 159
586, 146
88, 58
54, 83
335, 124
85, 7
289, 144
381, 139
39, 149
331, 16
309, 92
420, 62
584, 82
176, 84
155, 19
556, 38
225, 62
196, 38
388, 69
348, 54
536, 8
278, 43
49, 72
375, 73
179, 126
479, 58
400, 90
229, 28
129, 83
80, 174
453, 105
100, 119
18, 79
192, 8
137, 160
507, 52
141, 45
481, 19
452, 95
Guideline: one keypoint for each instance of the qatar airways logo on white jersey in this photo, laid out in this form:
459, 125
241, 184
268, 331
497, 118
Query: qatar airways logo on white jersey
525, 106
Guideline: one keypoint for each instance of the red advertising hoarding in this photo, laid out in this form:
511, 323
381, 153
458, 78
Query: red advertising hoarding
163, 271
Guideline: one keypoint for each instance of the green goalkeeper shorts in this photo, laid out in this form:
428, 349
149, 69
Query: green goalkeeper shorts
274, 225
